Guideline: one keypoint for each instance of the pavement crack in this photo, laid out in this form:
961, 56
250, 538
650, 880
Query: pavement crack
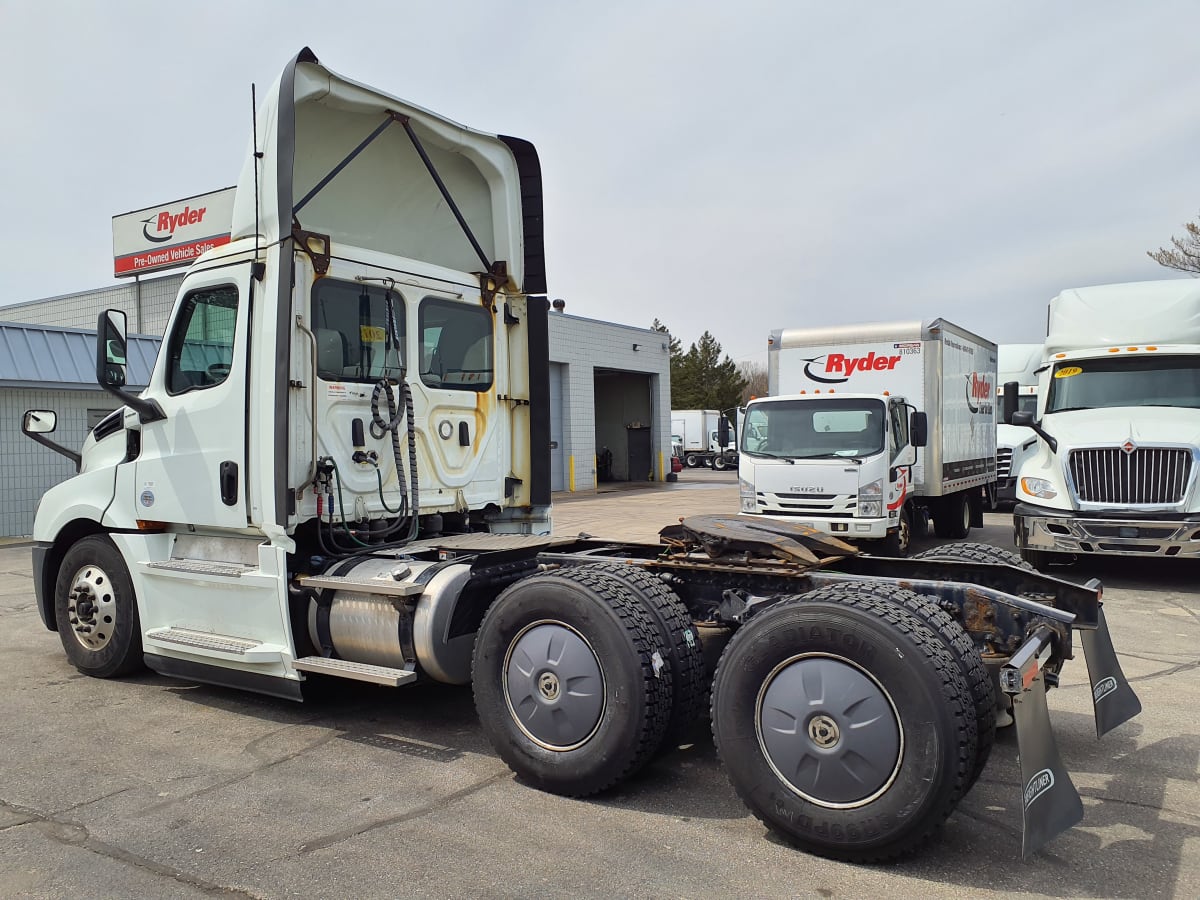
75, 835
338, 836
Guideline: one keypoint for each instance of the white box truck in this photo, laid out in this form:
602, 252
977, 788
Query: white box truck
699, 431
1119, 421
379, 514
870, 429
1018, 365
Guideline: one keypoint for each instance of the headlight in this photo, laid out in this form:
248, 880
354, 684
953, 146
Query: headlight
749, 501
1038, 487
870, 499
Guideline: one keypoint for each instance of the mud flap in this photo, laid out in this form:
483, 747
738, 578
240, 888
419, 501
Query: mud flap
1113, 700
1049, 802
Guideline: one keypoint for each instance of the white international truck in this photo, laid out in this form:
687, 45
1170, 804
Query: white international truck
1118, 423
699, 432
1018, 364
869, 430
340, 469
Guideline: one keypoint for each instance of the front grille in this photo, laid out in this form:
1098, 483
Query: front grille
1003, 461
1147, 475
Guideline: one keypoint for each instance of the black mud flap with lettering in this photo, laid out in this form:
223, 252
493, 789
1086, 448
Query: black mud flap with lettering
1113, 700
1049, 802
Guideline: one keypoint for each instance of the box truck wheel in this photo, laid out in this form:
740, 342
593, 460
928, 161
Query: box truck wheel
845, 724
97, 611
680, 643
692, 461
571, 683
899, 539
720, 463
952, 517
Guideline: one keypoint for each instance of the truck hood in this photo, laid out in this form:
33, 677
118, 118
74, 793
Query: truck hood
1013, 435
1144, 425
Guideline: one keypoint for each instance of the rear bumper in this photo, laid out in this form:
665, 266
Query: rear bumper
1061, 531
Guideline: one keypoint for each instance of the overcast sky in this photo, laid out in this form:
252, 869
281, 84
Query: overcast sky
738, 167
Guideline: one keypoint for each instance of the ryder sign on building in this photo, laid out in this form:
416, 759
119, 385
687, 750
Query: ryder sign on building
174, 234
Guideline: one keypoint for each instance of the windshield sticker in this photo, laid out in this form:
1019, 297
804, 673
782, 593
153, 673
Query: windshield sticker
1068, 371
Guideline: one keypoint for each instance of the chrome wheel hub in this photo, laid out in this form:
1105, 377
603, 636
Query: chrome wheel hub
92, 608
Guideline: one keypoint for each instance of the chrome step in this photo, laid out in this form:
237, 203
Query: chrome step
364, 585
343, 668
208, 644
201, 567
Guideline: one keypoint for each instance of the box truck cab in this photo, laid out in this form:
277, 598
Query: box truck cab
1118, 426
1018, 364
870, 430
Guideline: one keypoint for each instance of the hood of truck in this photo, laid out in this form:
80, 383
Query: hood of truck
1144, 425
312, 120
1013, 435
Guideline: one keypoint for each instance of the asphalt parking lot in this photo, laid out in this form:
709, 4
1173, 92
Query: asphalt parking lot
152, 787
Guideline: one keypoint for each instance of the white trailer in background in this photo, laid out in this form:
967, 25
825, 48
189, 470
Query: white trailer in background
1018, 364
699, 431
871, 428
1119, 420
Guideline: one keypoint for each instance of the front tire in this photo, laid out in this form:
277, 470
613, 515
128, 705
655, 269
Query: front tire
846, 727
570, 683
97, 611
899, 540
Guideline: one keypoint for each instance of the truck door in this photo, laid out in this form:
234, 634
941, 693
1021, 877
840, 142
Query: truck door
192, 466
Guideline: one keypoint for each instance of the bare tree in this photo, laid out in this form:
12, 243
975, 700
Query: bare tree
756, 380
1186, 253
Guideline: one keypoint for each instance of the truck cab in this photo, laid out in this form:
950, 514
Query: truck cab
1018, 366
839, 464
1117, 426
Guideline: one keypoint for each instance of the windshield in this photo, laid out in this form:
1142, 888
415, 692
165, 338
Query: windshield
1125, 381
800, 429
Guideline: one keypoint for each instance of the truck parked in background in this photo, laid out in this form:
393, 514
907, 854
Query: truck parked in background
869, 430
1017, 364
381, 512
1118, 423
699, 431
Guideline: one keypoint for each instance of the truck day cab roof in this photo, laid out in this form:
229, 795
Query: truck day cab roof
1134, 314
314, 121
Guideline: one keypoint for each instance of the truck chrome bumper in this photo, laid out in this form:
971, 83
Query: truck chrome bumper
1056, 531
844, 528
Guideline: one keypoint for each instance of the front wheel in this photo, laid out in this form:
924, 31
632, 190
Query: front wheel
846, 727
899, 540
97, 611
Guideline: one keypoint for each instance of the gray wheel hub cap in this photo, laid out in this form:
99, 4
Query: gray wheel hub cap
92, 608
829, 730
554, 686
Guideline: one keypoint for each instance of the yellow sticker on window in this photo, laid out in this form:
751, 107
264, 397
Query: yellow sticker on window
1068, 371
372, 334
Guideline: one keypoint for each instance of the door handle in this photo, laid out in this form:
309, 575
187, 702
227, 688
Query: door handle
229, 482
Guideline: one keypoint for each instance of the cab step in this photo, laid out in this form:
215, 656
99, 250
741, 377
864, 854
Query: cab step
201, 567
222, 646
386, 586
343, 668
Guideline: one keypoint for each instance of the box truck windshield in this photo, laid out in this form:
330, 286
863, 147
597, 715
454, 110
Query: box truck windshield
808, 429
1125, 381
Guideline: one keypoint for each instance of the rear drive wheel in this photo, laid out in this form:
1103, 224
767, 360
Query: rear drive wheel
97, 611
692, 461
681, 647
570, 683
952, 518
846, 725
720, 463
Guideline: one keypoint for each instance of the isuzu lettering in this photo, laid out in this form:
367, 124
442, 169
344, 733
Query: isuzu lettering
340, 469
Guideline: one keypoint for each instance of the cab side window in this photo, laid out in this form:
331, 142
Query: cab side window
899, 425
200, 348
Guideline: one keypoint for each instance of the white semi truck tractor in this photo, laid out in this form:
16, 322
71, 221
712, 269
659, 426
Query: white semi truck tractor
1117, 427
340, 470
871, 430
1018, 364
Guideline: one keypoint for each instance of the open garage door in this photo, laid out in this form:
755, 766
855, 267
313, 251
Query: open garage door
558, 476
623, 410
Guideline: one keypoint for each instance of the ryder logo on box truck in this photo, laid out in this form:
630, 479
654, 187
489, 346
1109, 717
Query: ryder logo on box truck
979, 393
838, 367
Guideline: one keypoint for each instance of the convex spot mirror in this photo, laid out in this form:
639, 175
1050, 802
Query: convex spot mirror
111, 348
39, 421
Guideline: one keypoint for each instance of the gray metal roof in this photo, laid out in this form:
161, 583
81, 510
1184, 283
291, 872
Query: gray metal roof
47, 356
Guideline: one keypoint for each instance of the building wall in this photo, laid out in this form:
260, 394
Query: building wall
81, 310
585, 345
30, 469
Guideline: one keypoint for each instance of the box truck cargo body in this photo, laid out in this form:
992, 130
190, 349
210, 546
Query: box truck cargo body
1119, 429
1018, 364
699, 438
837, 446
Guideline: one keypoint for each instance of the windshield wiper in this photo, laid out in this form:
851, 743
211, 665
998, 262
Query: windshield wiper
768, 453
853, 459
